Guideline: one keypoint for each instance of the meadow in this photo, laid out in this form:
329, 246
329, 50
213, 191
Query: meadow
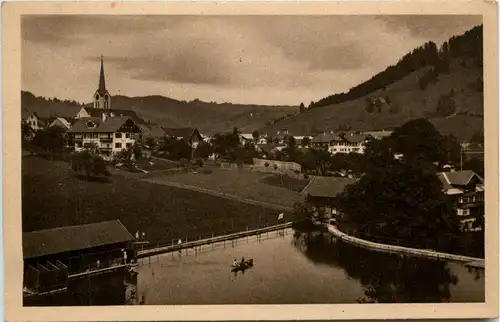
53, 196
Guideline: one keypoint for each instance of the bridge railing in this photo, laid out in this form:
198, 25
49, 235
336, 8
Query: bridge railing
185, 244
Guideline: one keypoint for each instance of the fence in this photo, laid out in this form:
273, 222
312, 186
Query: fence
479, 262
198, 242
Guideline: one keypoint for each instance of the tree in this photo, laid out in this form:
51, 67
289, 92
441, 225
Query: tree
401, 202
475, 165
477, 137
417, 140
302, 108
51, 139
451, 150
305, 141
150, 142
26, 133
255, 135
370, 108
90, 164
203, 150
446, 105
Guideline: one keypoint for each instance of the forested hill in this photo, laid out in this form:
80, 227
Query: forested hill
442, 84
209, 117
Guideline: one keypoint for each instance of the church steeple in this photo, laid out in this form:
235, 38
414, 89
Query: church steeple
102, 82
102, 99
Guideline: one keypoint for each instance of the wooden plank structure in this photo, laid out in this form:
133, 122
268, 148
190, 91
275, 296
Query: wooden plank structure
208, 241
54, 256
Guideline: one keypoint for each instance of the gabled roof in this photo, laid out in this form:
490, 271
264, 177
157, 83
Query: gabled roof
63, 121
153, 131
327, 187
355, 138
457, 178
181, 132
378, 134
97, 112
111, 125
326, 138
247, 136
70, 238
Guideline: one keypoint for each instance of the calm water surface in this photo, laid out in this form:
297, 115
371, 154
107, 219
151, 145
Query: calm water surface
299, 268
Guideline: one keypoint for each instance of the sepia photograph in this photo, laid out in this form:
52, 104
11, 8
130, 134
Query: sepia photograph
252, 159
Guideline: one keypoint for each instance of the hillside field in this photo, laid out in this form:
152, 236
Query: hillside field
410, 101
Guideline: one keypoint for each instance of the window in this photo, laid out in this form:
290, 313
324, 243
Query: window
118, 145
129, 145
118, 135
87, 136
94, 135
127, 135
463, 212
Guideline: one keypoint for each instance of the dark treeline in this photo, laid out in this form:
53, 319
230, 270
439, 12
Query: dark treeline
28, 98
468, 45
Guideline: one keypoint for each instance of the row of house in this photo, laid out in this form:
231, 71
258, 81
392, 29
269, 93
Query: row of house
464, 188
333, 142
97, 125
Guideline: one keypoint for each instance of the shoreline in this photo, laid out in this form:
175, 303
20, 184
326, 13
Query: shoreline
387, 248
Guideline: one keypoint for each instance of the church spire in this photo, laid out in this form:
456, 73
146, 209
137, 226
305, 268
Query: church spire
102, 82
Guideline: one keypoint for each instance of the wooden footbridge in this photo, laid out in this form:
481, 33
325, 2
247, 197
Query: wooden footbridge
210, 241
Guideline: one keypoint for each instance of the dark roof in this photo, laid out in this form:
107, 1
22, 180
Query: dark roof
326, 138
326, 186
70, 238
181, 132
457, 178
153, 131
378, 134
355, 138
97, 112
111, 125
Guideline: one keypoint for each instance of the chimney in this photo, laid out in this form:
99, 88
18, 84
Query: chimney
104, 117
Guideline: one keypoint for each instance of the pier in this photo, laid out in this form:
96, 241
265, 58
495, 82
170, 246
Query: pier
208, 241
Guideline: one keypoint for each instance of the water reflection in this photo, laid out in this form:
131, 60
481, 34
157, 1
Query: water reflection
116, 288
386, 278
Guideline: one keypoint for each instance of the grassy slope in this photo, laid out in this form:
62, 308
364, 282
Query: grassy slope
53, 197
405, 95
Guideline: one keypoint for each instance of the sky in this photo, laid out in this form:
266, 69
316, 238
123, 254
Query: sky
268, 60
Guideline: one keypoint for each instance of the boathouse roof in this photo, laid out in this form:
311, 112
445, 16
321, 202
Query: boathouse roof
70, 238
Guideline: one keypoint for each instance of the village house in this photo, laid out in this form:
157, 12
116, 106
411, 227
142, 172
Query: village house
109, 135
40, 117
466, 189
340, 142
378, 135
320, 193
190, 135
62, 123
246, 138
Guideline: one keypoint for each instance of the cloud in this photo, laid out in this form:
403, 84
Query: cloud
285, 59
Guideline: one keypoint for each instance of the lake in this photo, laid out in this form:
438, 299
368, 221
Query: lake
298, 268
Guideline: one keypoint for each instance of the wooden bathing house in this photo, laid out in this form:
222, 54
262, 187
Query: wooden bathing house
52, 257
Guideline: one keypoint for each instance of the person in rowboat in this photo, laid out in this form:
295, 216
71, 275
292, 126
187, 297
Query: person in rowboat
242, 260
235, 263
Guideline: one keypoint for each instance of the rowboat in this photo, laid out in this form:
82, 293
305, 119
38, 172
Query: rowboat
242, 265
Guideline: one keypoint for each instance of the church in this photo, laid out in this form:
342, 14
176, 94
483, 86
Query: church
102, 99
99, 127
